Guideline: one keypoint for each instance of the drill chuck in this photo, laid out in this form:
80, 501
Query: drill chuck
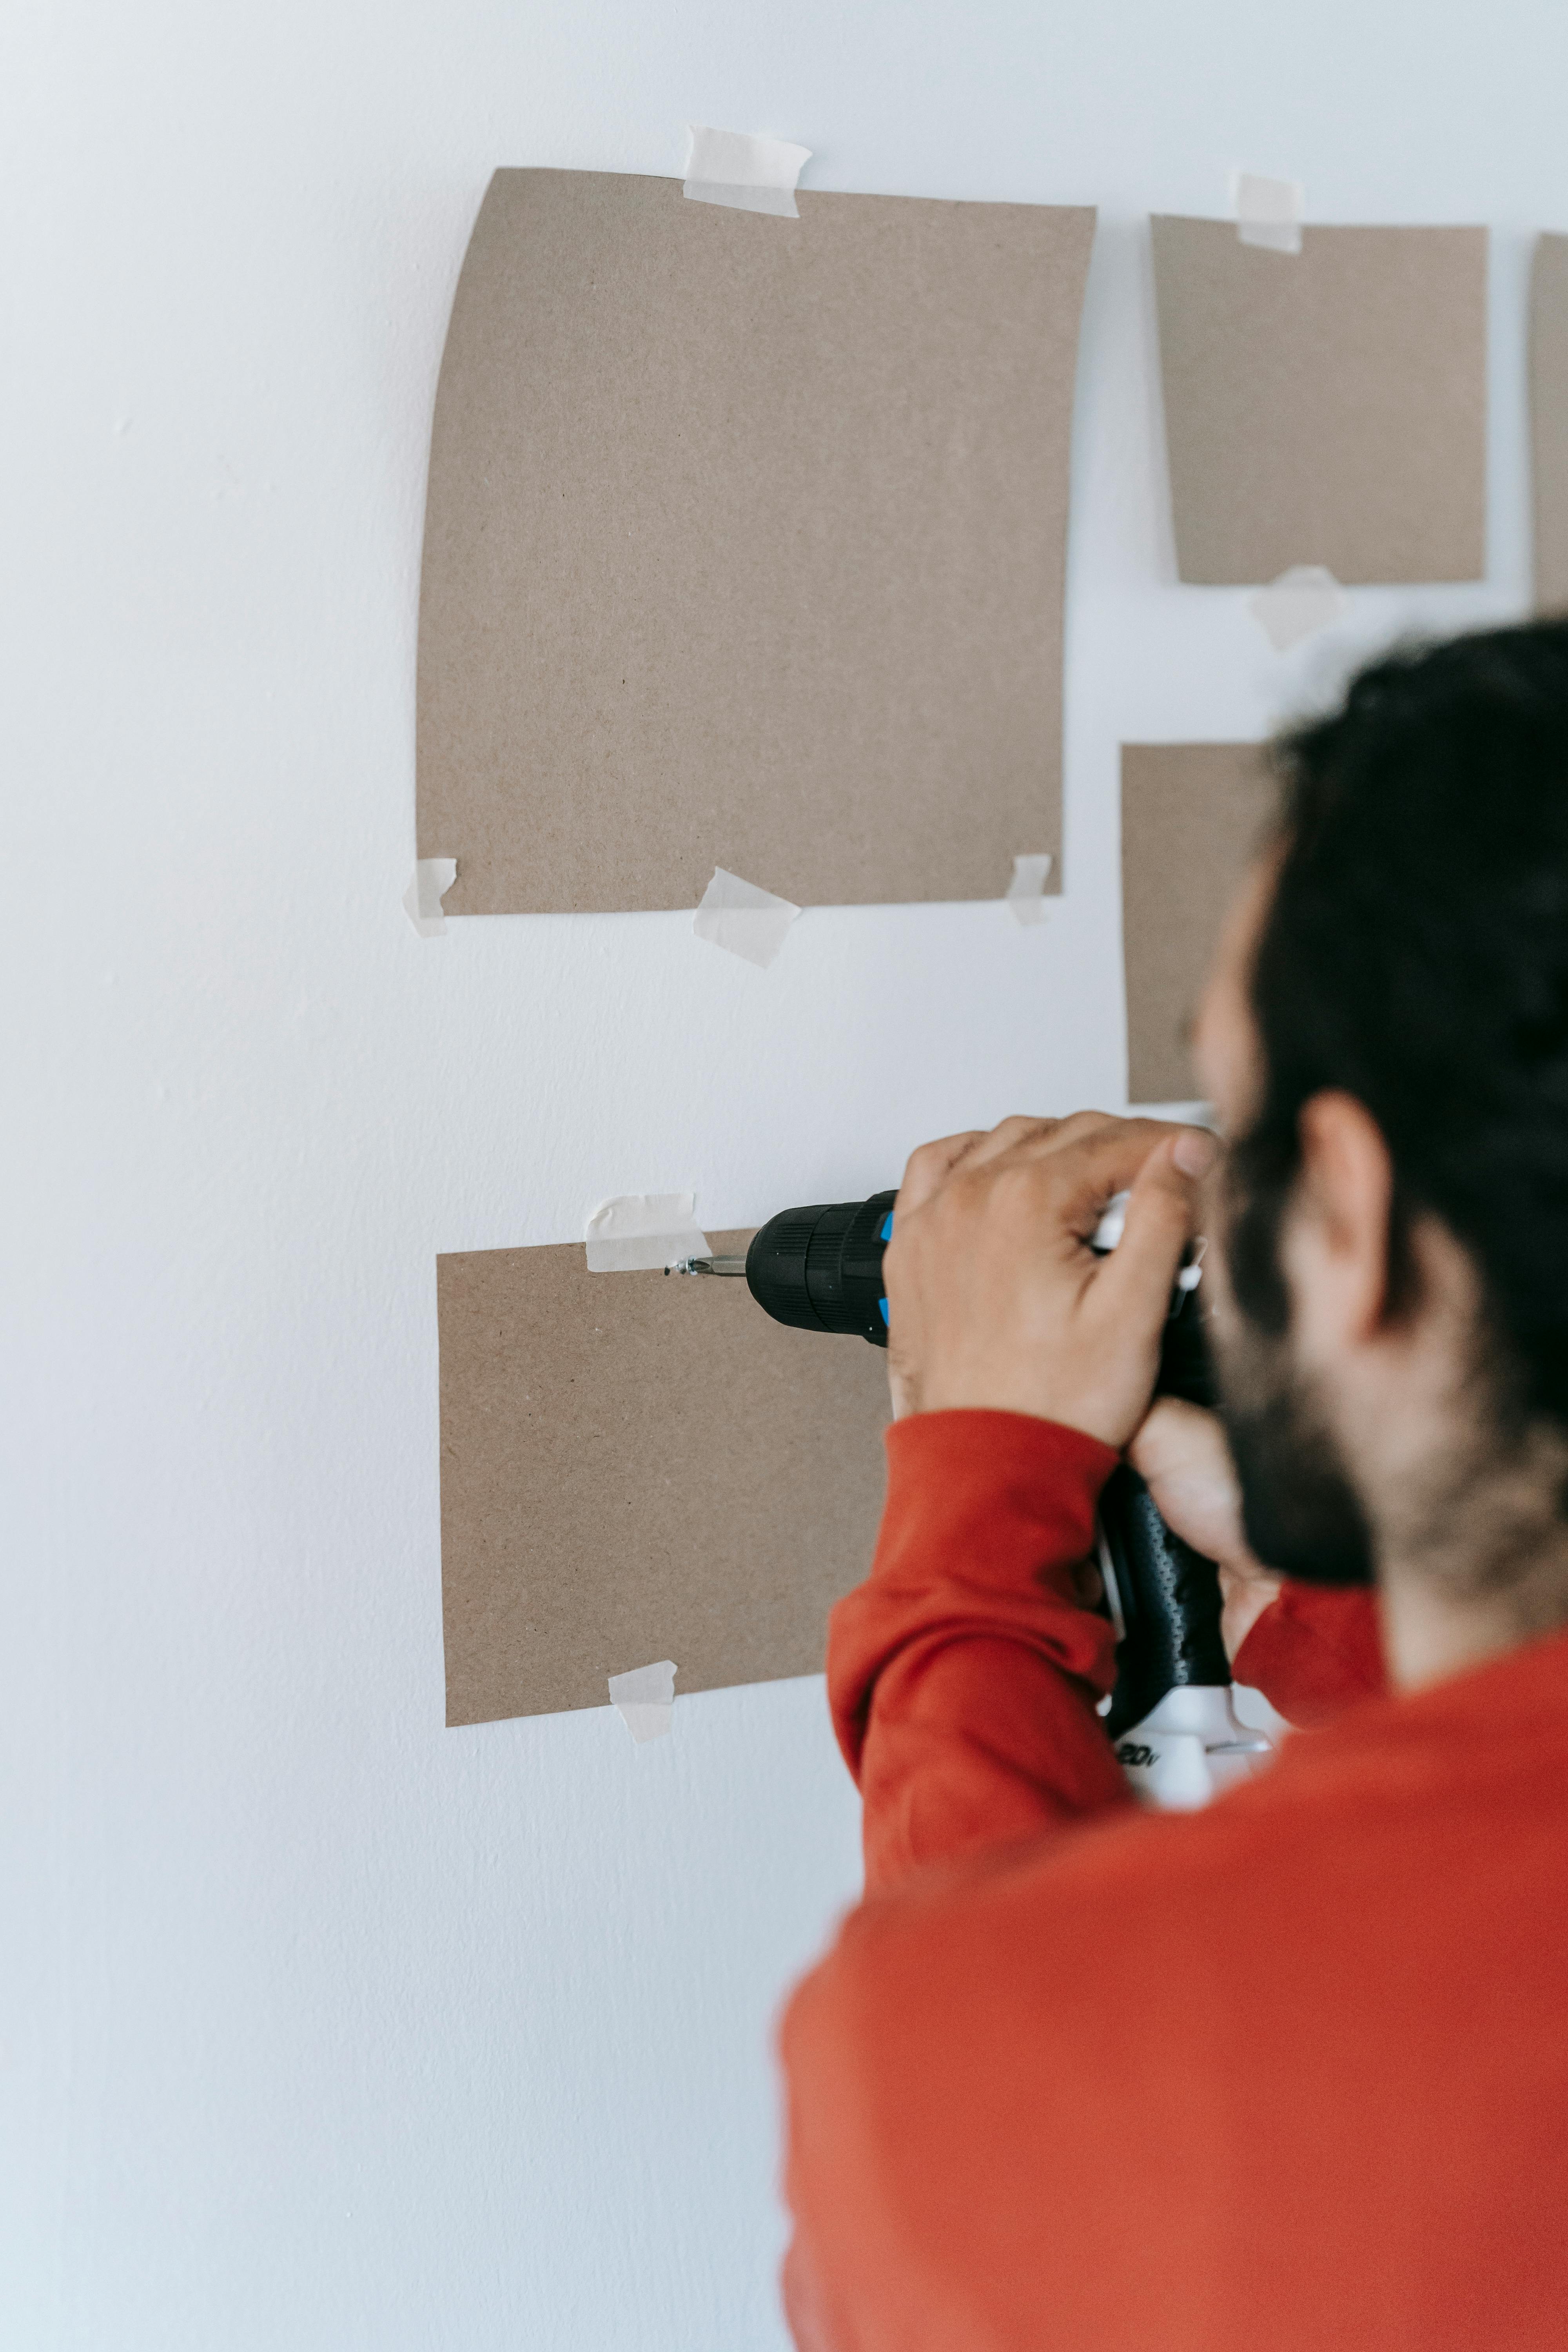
820, 1268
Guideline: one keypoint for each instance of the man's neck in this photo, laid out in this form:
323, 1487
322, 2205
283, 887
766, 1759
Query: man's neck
1495, 1578
1428, 1638
1470, 1538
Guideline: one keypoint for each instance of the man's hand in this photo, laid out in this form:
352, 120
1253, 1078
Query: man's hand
996, 1300
1180, 1453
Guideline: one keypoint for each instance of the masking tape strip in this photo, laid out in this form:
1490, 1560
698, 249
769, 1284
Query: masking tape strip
1026, 893
1297, 605
737, 915
428, 885
644, 1699
750, 174
1267, 211
638, 1231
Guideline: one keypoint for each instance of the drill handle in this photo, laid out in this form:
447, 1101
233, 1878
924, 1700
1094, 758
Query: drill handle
1166, 1598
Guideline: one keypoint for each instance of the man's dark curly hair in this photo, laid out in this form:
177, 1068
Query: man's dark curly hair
1416, 955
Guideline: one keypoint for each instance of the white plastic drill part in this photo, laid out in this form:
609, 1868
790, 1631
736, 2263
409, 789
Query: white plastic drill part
1190, 1748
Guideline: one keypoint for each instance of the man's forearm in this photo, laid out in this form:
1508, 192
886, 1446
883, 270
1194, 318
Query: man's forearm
964, 1674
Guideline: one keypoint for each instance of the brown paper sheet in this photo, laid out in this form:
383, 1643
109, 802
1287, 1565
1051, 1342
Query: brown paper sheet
1192, 817
637, 1466
744, 546
1325, 407
1549, 420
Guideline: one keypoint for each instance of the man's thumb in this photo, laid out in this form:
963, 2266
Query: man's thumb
1161, 1210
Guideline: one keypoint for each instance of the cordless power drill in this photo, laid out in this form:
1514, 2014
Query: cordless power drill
1171, 1714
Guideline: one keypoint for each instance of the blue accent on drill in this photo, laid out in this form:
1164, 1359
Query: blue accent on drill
885, 1233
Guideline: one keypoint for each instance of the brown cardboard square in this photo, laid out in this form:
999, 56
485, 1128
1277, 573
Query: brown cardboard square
1193, 815
1549, 420
745, 545
637, 1466
1325, 407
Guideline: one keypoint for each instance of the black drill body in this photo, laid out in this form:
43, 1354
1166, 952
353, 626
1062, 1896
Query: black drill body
820, 1269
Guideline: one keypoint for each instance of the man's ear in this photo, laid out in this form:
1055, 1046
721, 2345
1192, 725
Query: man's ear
1338, 1253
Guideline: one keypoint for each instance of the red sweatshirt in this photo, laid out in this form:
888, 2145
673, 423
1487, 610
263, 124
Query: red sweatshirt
1290, 2073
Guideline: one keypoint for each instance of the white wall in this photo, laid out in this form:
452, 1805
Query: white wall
325, 2027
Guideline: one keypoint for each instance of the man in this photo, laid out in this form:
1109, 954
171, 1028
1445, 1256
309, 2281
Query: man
1292, 2072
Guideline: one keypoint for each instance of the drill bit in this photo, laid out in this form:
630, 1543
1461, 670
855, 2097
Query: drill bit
708, 1266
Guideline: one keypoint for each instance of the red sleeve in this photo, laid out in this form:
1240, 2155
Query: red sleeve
964, 1674
1314, 1652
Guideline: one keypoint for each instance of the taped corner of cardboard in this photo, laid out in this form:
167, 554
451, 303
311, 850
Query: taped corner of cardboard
742, 919
431, 879
1302, 601
1026, 893
743, 171
1268, 213
643, 1233
643, 1699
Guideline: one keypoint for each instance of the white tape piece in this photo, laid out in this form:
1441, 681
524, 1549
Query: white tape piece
644, 1699
642, 1230
1297, 605
428, 885
1267, 211
750, 174
1026, 893
739, 916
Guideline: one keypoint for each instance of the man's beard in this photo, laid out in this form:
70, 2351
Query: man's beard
1300, 1512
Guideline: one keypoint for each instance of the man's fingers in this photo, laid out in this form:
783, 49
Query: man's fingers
1041, 1139
1009, 1135
1024, 1138
1081, 1123
929, 1167
1073, 1167
1084, 1171
1179, 1439
1020, 1139
1179, 1451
